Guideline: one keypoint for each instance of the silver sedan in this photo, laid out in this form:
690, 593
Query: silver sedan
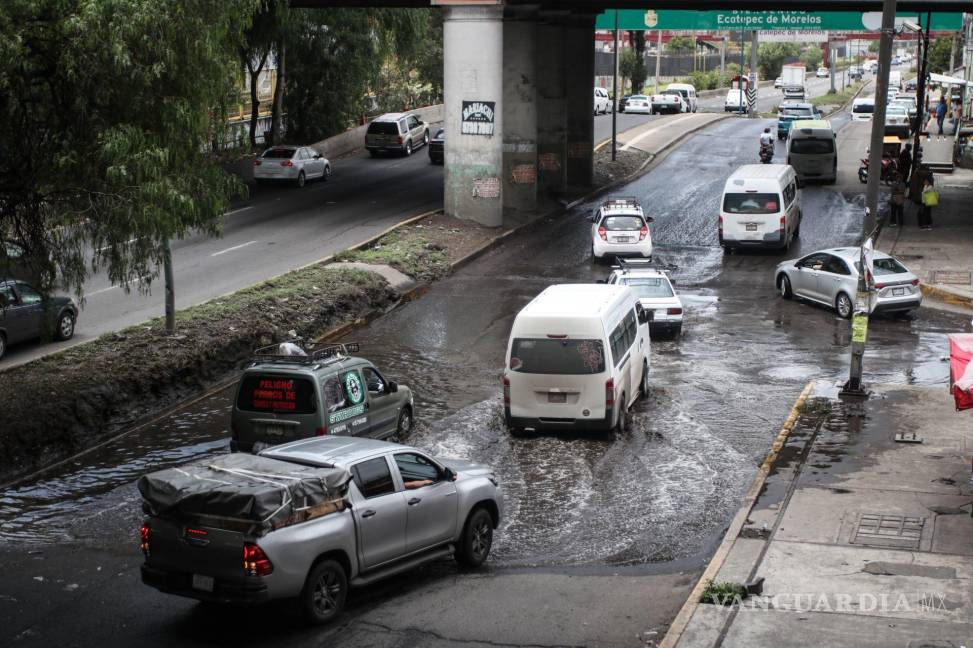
830, 277
295, 164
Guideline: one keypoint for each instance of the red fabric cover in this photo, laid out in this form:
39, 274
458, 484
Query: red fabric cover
960, 358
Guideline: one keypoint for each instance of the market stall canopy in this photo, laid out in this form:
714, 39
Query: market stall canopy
961, 369
949, 80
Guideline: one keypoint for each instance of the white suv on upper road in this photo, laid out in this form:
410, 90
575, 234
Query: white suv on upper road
620, 228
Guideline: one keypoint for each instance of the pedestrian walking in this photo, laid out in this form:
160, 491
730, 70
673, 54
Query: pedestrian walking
897, 201
905, 162
941, 110
930, 198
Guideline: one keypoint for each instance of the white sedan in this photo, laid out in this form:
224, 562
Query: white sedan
295, 164
822, 73
639, 104
655, 293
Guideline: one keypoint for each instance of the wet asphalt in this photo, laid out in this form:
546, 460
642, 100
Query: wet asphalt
652, 502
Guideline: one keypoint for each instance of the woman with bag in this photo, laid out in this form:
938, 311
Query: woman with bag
930, 198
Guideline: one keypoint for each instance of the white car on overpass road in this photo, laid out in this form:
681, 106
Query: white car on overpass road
602, 102
295, 164
620, 228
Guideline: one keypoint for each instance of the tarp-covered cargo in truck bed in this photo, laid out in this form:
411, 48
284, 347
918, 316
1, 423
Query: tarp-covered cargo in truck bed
244, 492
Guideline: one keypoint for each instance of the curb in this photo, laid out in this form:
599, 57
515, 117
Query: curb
847, 103
679, 624
945, 295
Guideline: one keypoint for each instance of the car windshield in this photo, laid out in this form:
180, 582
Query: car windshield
553, 356
648, 287
751, 203
863, 108
276, 393
812, 146
638, 98
623, 223
280, 153
796, 112
383, 128
886, 266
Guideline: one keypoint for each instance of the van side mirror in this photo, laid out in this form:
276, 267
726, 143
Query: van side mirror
393, 386
645, 316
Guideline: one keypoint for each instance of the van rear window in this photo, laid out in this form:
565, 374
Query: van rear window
564, 357
270, 393
383, 128
864, 108
751, 203
812, 146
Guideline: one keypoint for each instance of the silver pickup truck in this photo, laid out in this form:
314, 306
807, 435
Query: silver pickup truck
401, 508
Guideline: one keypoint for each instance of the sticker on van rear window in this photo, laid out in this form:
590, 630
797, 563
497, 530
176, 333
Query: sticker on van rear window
268, 393
557, 356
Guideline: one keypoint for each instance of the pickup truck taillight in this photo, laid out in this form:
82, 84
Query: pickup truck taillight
673, 311
255, 561
144, 538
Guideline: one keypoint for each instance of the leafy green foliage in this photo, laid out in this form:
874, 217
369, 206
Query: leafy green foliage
632, 67
681, 44
724, 593
938, 59
812, 57
772, 56
108, 108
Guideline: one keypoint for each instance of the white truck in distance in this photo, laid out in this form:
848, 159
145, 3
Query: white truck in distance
793, 75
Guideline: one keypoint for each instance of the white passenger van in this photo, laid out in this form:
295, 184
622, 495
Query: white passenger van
577, 358
761, 207
688, 93
812, 150
862, 109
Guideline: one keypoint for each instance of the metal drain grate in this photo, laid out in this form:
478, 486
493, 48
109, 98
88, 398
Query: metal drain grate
955, 277
889, 531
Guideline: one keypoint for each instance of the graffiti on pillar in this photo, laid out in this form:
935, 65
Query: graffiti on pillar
578, 150
486, 187
523, 174
549, 161
478, 117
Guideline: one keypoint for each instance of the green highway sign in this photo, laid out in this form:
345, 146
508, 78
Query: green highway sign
677, 19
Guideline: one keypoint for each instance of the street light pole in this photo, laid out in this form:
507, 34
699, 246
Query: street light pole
615, 93
859, 328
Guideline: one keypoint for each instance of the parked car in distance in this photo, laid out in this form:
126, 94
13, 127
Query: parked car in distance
687, 92
655, 293
578, 357
26, 315
437, 147
778, 83
735, 101
396, 133
830, 277
619, 227
602, 101
622, 103
670, 101
910, 85
375, 509
639, 105
822, 73
295, 164
791, 111
282, 397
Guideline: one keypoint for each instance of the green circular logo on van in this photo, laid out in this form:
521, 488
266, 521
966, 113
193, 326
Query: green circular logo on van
353, 388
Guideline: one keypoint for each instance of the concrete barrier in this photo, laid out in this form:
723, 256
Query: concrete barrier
354, 138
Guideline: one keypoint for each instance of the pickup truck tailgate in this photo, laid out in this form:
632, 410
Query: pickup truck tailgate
200, 551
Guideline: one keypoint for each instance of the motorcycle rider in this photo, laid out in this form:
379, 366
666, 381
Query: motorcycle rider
766, 138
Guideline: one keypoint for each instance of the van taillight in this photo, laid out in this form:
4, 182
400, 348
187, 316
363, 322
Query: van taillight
643, 232
320, 431
144, 533
783, 224
255, 561
720, 223
609, 393
674, 311
603, 233
506, 390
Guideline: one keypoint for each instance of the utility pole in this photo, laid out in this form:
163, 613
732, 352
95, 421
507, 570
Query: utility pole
859, 327
722, 63
170, 287
923, 51
658, 59
741, 77
831, 62
615, 93
753, 73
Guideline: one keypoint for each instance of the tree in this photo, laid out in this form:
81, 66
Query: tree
631, 67
771, 57
938, 58
811, 57
637, 38
108, 108
681, 44
259, 39
873, 46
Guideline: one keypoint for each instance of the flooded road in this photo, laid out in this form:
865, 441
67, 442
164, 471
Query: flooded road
664, 490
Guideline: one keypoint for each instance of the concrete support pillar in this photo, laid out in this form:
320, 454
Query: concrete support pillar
551, 109
519, 116
473, 97
579, 63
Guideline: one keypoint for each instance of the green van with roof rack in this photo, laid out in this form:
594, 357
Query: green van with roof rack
286, 393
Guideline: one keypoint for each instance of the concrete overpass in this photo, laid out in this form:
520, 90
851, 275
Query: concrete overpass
518, 84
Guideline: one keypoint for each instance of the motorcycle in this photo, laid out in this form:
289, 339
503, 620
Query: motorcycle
766, 153
889, 169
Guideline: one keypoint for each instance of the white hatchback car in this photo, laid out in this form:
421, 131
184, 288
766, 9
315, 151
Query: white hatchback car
654, 291
602, 101
620, 228
295, 164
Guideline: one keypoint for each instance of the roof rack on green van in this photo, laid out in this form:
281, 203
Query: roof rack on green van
326, 354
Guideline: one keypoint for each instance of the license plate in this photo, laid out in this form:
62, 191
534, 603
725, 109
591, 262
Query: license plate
751, 227
624, 239
897, 292
203, 583
557, 398
274, 430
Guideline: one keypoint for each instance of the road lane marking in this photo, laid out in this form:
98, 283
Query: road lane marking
230, 249
98, 292
239, 209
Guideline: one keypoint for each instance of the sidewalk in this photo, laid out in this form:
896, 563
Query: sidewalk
862, 541
943, 257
